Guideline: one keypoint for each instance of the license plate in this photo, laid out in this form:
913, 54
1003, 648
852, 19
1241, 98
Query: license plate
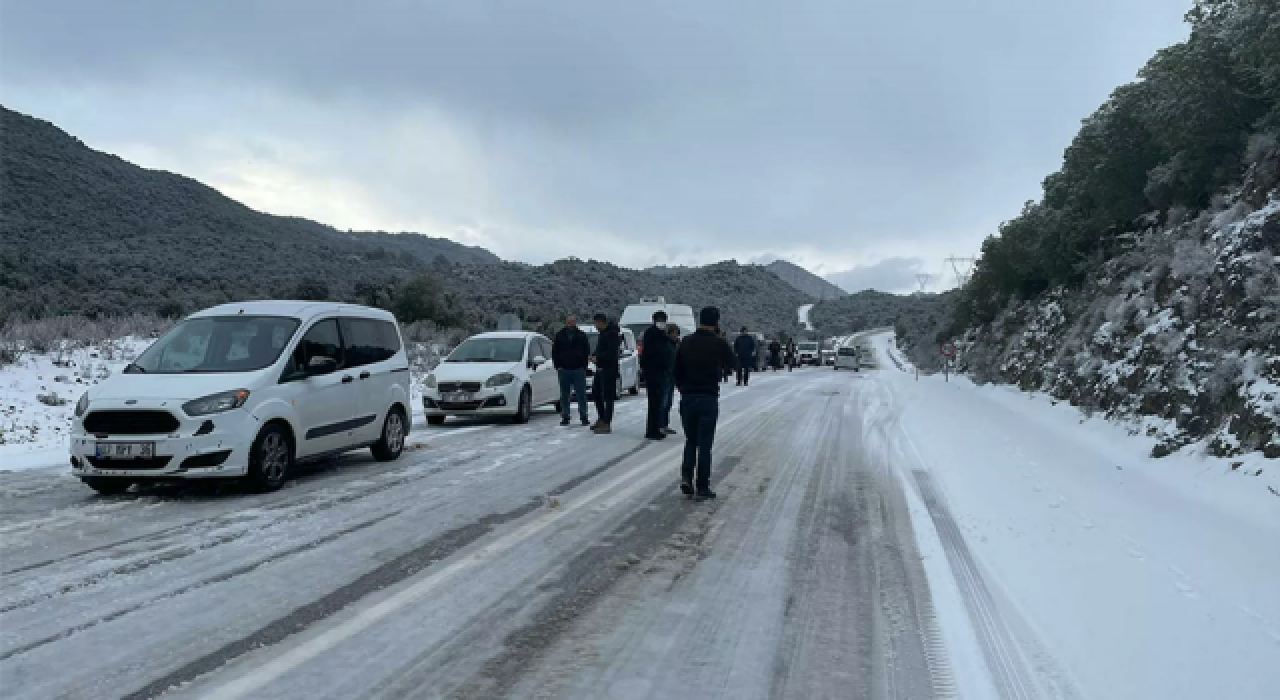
125, 450
459, 396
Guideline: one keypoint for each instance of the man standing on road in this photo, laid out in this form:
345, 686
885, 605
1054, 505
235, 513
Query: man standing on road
744, 346
700, 362
569, 354
655, 361
775, 355
605, 384
668, 396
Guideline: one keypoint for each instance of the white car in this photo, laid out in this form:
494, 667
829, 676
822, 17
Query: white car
847, 357
245, 390
507, 373
808, 353
628, 362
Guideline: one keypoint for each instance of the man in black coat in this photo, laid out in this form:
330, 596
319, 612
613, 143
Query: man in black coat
605, 384
569, 354
655, 361
744, 346
700, 362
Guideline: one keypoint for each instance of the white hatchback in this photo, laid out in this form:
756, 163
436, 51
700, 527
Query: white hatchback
506, 373
245, 390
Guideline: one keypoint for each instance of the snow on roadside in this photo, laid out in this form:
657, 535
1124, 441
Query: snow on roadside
38, 394
1132, 576
803, 314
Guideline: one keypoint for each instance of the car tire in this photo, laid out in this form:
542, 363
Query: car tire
270, 459
435, 420
394, 431
107, 487
525, 408
635, 388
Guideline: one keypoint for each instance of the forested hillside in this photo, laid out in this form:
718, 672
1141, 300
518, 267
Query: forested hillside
1144, 282
805, 281
84, 232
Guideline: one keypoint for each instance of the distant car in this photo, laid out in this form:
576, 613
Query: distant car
504, 373
245, 390
628, 362
807, 353
848, 357
828, 357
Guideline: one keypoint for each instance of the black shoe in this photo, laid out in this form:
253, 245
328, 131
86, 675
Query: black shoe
686, 488
564, 421
704, 495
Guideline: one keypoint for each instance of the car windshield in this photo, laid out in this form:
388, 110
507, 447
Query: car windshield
217, 344
848, 351
489, 350
808, 346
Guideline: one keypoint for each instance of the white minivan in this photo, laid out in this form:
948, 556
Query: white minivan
245, 390
505, 373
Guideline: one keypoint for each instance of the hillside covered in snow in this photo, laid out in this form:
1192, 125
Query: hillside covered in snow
1144, 284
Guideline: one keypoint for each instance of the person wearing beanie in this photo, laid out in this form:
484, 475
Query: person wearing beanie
701, 361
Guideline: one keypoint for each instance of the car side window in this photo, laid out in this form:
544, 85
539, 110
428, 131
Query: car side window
544, 346
322, 340
367, 341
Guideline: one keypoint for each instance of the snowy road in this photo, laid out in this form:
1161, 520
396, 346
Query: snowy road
875, 537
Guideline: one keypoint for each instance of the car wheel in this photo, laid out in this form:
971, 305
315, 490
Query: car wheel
394, 430
270, 459
525, 408
107, 487
435, 420
635, 388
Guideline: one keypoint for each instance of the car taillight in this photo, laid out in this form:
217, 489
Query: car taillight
639, 348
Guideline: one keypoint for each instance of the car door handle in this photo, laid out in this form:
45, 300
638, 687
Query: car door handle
348, 379
365, 375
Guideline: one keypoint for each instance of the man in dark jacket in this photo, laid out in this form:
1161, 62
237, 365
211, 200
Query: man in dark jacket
775, 355
700, 362
605, 383
744, 346
655, 361
569, 353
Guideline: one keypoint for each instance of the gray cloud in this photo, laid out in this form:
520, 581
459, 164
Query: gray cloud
829, 132
889, 275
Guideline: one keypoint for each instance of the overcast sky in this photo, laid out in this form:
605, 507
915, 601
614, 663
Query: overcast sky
866, 140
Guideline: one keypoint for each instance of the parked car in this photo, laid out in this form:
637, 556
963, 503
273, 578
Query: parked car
848, 357
247, 390
807, 353
638, 317
504, 373
628, 362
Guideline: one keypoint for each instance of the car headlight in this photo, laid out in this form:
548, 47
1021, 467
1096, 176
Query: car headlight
82, 405
431, 381
502, 379
216, 403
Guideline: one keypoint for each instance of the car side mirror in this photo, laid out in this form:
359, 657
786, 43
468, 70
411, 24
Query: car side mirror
321, 365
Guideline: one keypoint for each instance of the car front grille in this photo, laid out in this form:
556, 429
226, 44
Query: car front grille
130, 423
148, 463
458, 386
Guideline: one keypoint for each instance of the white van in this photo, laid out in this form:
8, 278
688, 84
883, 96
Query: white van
244, 390
809, 353
848, 357
638, 318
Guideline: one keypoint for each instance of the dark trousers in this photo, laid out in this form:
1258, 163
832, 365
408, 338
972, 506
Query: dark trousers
655, 384
573, 381
668, 397
602, 388
698, 414
744, 372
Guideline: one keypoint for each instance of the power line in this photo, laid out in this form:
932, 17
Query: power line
963, 267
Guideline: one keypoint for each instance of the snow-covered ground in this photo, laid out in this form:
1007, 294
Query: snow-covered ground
38, 395
876, 536
802, 314
1110, 574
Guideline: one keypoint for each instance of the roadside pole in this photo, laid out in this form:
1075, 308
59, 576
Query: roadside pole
948, 353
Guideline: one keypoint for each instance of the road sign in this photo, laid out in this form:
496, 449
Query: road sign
949, 349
